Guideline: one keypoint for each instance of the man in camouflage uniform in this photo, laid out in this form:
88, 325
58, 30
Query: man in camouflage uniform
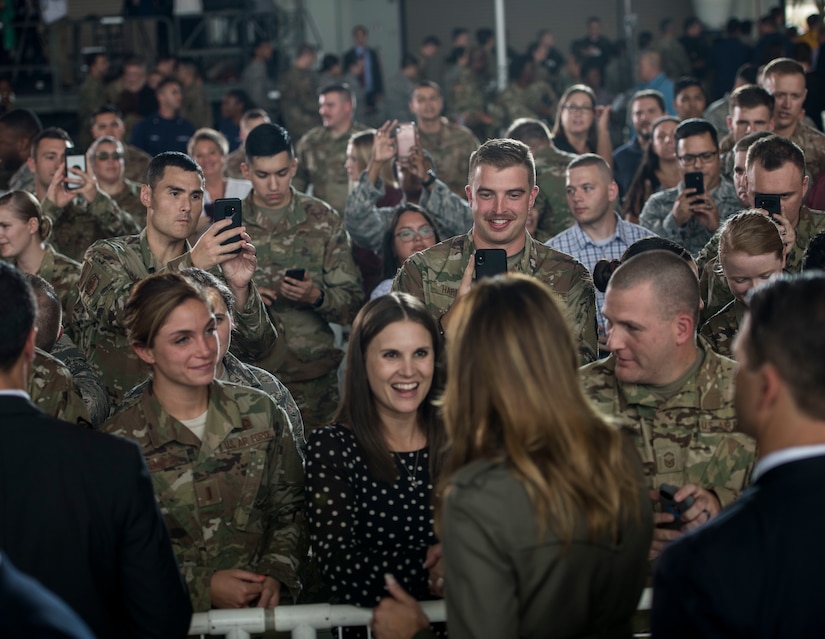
173, 198
299, 97
106, 158
322, 152
681, 215
466, 101
785, 80
551, 169
525, 96
92, 93
107, 121
294, 231
249, 120
195, 106
448, 143
83, 214
18, 129
501, 192
53, 390
751, 111
672, 394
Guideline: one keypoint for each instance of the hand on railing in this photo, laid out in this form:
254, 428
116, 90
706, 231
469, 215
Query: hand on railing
398, 616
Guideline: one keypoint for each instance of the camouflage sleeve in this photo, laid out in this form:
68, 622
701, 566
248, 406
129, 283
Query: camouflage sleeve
113, 220
364, 221
302, 177
53, 391
654, 213
581, 303
409, 279
255, 335
341, 284
451, 212
284, 542
709, 252
93, 392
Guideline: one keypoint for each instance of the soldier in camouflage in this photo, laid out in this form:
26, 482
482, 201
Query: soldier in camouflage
249, 120
466, 102
673, 394
299, 94
92, 93
502, 190
551, 168
107, 121
225, 469
295, 231
53, 390
322, 152
173, 200
107, 163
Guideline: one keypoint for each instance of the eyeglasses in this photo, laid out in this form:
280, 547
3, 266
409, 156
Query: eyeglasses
408, 235
705, 157
576, 108
105, 155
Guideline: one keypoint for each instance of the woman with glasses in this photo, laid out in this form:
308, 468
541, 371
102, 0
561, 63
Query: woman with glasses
107, 161
581, 126
411, 230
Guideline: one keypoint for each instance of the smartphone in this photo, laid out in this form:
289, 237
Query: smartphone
75, 159
490, 262
768, 202
295, 273
228, 207
405, 138
695, 180
670, 505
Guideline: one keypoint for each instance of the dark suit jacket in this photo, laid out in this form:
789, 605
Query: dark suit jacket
756, 570
77, 513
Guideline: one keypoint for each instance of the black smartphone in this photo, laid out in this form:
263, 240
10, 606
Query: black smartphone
228, 207
768, 202
490, 262
695, 180
75, 159
295, 273
669, 504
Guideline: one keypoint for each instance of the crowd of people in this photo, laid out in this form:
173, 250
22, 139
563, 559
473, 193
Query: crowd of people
322, 397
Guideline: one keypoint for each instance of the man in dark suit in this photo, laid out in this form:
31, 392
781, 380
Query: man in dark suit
77, 511
756, 569
372, 80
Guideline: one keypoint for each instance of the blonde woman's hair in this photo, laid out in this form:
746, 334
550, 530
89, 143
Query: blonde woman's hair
750, 232
362, 145
513, 395
216, 137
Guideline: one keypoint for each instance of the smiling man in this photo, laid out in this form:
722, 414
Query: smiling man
295, 231
501, 192
672, 393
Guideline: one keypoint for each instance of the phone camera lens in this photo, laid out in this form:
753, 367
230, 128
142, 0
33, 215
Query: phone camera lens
481, 259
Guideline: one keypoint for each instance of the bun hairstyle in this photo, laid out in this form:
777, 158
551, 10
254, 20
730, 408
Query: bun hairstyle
604, 269
25, 206
602, 272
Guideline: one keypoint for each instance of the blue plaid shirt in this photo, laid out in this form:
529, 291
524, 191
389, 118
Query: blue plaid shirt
588, 251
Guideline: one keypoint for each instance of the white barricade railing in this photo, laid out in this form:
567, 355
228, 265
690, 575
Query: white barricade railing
304, 621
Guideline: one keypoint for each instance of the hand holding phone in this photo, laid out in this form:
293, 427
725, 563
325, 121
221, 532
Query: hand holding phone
695, 180
228, 208
295, 273
768, 202
490, 262
669, 504
406, 137
75, 159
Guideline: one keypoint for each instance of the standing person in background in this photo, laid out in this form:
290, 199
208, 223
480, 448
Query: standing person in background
372, 77
652, 77
255, 77
165, 130
299, 93
195, 106
92, 93
234, 104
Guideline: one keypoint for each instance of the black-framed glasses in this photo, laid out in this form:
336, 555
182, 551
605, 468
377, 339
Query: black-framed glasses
690, 158
105, 155
408, 235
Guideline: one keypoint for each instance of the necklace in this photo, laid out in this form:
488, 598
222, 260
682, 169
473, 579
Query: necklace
410, 475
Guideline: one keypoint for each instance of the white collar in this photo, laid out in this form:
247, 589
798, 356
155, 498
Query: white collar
785, 456
15, 392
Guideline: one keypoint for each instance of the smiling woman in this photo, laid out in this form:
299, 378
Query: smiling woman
370, 475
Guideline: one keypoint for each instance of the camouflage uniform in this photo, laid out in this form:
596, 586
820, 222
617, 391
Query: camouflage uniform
720, 329
321, 156
22, 180
137, 162
687, 438
433, 276
62, 273
656, 215
233, 500
551, 202
306, 234
812, 143
92, 390
90, 97
712, 283
234, 161
195, 106
53, 390
110, 270
129, 200
299, 102
466, 103
368, 223
450, 148
80, 224
537, 100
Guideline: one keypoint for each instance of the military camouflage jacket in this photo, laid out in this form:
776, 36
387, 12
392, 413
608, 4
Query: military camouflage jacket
368, 223
812, 143
433, 276
129, 200
299, 101
451, 148
688, 438
53, 390
551, 202
62, 273
656, 215
111, 269
233, 500
80, 224
92, 390
321, 156
306, 234
137, 162
720, 329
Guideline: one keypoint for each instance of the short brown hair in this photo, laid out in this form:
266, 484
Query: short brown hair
503, 153
773, 152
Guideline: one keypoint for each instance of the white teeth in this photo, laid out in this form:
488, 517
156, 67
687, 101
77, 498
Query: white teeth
405, 387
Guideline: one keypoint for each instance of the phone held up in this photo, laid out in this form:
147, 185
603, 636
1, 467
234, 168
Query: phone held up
228, 208
405, 139
768, 202
75, 159
695, 180
490, 262
295, 273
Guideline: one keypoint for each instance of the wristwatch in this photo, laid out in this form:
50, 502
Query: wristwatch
319, 301
428, 181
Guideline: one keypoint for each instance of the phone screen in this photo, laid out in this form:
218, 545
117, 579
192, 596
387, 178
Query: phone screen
75, 159
405, 139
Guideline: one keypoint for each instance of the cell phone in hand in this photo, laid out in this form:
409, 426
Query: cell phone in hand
695, 180
490, 262
769, 202
669, 504
296, 273
229, 207
75, 159
406, 138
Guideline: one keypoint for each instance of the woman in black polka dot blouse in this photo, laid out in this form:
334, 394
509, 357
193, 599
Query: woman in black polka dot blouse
370, 475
